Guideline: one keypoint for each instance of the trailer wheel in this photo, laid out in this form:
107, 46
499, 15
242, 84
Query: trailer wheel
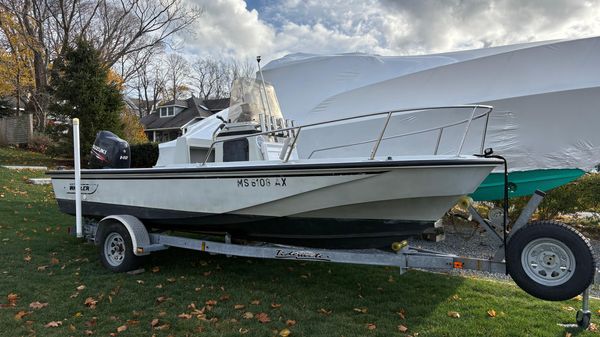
550, 260
116, 249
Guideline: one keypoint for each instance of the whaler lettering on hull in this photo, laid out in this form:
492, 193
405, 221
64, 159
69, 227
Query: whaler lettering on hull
85, 188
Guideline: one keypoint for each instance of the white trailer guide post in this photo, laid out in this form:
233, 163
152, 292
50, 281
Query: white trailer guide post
123, 240
77, 163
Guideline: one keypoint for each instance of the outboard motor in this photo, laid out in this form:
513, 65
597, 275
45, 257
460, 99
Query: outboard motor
109, 151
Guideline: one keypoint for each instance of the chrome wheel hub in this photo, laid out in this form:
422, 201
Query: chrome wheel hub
114, 249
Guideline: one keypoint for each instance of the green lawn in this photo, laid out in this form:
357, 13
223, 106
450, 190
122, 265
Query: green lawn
12, 156
40, 262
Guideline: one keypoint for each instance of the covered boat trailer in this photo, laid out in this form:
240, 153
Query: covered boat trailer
119, 255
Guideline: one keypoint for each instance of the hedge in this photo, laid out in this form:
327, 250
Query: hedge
144, 155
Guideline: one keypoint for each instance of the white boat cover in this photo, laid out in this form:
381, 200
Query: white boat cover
546, 97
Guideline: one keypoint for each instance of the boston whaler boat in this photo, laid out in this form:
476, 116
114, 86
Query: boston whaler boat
248, 185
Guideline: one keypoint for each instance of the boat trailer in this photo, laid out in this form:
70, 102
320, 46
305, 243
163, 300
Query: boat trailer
123, 240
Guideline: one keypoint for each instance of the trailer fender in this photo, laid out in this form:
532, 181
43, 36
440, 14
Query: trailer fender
137, 231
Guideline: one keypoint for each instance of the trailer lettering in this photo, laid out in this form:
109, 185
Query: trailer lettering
300, 255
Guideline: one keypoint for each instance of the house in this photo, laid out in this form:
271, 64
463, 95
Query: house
171, 119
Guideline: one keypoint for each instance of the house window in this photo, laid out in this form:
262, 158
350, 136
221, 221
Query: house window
167, 111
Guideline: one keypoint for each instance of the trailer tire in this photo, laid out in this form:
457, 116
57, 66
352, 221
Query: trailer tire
550, 260
116, 249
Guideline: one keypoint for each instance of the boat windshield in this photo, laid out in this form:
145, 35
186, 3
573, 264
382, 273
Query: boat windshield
249, 99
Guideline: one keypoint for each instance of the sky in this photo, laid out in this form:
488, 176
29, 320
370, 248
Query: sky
243, 29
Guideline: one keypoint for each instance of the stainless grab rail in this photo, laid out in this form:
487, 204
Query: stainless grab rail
439, 138
295, 130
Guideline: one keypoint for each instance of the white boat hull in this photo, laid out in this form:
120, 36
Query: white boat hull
335, 197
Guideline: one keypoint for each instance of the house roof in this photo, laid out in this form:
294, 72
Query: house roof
193, 110
217, 104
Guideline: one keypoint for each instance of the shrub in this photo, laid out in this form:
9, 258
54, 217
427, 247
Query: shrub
39, 142
144, 155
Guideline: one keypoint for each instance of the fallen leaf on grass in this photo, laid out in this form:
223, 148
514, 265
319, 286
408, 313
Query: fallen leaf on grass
211, 302
243, 331
53, 324
139, 281
19, 315
568, 334
578, 298
37, 305
275, 305
263, 317
80, 288
285, 332
171, 279
224, 298
54, 261
161, 299
88, 332
453, 314
165, 326
122, 328
239, 306
402, 328
593, 327
248, 315
90, 302
290, 322
27, 258
361, 310
255, 302
12, 299
325, 311
184, 316
371, 326
402, 313
155, 269
91, 322
154, 322
491, 313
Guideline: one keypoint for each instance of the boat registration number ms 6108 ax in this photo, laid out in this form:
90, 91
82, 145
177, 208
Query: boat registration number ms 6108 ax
261, 182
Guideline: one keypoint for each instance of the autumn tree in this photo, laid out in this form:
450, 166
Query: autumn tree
16, 77
83, 90
118, 29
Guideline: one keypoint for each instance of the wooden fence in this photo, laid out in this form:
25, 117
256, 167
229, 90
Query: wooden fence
16, 130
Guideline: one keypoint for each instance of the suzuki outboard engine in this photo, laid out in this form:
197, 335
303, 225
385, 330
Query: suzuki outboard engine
109, 151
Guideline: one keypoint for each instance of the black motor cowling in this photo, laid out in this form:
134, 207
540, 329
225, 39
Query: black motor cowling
109, 151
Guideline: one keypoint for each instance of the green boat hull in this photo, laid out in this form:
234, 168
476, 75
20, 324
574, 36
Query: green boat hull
524, 183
